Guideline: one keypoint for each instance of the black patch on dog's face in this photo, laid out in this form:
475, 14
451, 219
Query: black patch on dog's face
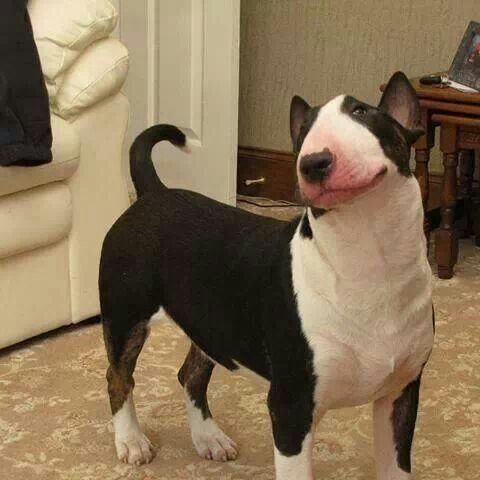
393, 138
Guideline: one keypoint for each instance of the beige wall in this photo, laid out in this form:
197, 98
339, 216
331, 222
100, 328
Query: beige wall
321, 48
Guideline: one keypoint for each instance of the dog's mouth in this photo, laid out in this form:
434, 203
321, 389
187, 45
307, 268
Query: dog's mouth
327, 196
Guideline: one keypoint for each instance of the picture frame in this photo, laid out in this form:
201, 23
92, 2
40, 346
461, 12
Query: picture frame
465, 68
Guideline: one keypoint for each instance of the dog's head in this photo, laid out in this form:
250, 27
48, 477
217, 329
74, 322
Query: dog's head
346, 148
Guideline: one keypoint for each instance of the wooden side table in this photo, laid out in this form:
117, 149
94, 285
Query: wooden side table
458, 116
457, 133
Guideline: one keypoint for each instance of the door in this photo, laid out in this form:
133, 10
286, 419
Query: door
185, 71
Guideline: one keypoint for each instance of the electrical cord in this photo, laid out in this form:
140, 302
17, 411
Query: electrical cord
283, 203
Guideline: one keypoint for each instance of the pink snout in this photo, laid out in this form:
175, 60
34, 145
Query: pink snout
326, 180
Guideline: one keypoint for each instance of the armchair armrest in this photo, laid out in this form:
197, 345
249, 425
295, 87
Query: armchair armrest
100, 195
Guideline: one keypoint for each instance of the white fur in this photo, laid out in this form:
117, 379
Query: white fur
363, 287
132, 445
350, 140
358, 156
189, 145
298, 467
208, 439
363, 283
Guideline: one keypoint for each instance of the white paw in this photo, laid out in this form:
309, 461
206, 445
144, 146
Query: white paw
136, 449
211, 443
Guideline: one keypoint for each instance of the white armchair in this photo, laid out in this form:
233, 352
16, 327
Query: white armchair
53, 218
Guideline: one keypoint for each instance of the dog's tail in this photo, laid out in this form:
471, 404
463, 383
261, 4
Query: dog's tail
142, 170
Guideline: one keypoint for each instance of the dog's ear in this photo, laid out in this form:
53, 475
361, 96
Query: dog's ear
400, 101
298, 113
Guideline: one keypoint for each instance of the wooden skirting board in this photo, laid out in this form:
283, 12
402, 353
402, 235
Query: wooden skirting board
273, 174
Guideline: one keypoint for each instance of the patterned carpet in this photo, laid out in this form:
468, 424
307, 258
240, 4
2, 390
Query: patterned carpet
55, 421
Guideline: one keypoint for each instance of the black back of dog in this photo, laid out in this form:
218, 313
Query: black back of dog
167, 245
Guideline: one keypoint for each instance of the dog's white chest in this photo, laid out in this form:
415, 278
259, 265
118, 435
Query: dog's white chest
360, 367
370, 333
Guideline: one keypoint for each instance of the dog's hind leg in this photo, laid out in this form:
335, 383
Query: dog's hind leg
124, 343
209, 440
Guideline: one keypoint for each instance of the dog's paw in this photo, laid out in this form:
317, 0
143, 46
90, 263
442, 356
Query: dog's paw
136, 449
211, 443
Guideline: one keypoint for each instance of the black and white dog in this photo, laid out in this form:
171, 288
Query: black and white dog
334, 309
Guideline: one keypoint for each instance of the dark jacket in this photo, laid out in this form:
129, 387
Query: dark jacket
25, 131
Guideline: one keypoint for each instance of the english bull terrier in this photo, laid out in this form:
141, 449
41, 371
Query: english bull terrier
333, 309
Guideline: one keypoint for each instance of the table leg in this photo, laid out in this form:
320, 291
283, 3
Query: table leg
476, 219
422, 157
476, 210
446, 240
467, 169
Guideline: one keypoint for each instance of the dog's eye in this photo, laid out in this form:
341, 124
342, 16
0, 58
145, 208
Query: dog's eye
359, 111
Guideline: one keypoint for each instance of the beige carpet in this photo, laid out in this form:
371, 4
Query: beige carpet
54, 416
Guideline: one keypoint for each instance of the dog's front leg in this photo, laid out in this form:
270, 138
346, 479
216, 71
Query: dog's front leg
394, 425
292, 418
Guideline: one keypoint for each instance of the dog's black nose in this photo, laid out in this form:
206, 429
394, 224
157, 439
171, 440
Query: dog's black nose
316, 166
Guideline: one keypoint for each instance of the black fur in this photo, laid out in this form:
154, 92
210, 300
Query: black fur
433, 318
394, 139
224, 286
142, 169
194, 376
403, 419
229, 316
302, 117
305, 228
318, 212
179, 249
291, 395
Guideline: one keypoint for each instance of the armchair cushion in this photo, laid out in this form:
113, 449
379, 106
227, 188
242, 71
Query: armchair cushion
66, 154
34, 218
98, 73
64, 28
